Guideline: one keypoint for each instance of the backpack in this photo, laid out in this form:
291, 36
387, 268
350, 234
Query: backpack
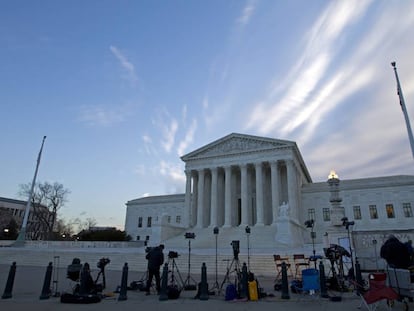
231, 292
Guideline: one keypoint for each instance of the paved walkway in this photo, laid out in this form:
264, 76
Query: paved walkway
28, 285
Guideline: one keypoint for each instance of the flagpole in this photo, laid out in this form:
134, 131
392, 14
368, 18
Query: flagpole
404, 109
22, 234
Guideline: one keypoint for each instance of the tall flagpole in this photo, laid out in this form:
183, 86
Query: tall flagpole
402, 103
22, 234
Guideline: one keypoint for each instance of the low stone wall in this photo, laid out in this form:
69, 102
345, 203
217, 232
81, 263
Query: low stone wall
76, 244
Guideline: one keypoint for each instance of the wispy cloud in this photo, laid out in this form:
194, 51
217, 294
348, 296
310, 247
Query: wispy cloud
188, 138
99, 115
173, 176
303, 92
248, 10
168, 126
125, 64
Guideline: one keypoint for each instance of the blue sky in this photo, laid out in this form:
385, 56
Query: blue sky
122, 89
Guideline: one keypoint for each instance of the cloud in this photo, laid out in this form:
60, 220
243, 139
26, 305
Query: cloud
174, 176
98, 115
304, 87
169, 132
125, 64
188, 139
248, 10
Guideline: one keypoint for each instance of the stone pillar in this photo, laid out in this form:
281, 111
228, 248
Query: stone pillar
259, 194
227, 197
245, 219
200, 199
194, 200
214, 202
187, 200
292, 188
275, 180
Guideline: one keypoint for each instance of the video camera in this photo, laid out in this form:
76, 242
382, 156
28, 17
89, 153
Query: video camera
103, 262
236, 249
172, 255
189, 235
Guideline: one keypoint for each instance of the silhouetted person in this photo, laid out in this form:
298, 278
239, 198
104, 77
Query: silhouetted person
395, 253
155, 259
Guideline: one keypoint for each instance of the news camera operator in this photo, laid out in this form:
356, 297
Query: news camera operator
155, 257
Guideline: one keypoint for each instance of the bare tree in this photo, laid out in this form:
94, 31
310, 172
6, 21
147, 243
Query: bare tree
84, 224
47, 199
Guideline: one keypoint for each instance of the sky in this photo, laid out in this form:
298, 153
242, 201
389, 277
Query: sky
123, 89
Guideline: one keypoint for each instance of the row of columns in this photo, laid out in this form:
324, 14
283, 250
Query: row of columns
198, 182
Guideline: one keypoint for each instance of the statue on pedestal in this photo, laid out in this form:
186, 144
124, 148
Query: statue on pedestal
284, 210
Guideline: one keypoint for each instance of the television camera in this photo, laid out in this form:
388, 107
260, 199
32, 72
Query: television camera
173, 254
236, 249
189, 235
81, 274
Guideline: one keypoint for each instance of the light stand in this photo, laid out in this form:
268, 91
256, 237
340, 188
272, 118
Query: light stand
216, 232
347, 224
248, 247
310, 224
374, 241
187, 286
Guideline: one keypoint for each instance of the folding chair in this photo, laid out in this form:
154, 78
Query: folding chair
301, 263
377, 292
278, 264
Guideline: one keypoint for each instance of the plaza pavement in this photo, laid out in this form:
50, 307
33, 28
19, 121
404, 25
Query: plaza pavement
29, 280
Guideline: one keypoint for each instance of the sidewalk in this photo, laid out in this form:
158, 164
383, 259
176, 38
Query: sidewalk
28, 285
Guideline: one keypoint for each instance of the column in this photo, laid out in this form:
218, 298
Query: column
292, 187
194, 200
227, 196
245, 219
200, 199
187, 200
214, 202
274, 176
259, 194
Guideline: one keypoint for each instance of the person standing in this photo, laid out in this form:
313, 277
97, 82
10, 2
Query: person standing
155, 259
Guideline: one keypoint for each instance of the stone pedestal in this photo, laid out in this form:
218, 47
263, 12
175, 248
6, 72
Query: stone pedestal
288, 232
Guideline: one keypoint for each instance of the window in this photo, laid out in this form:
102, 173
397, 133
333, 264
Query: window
149, 222
311, 213
178, 219
373, 211
390, 210
408, 212
139, 222
357, 212
169, 219
326, 214
138, 237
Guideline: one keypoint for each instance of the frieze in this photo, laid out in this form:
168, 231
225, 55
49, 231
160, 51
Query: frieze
239, 145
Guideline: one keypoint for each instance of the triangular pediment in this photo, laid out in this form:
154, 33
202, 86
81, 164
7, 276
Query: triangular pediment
237, 144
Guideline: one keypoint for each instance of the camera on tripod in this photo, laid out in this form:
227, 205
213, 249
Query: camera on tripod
172, 255
102, 263
236, 248
189, 235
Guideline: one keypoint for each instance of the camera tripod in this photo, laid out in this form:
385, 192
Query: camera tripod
172, 280
237, 270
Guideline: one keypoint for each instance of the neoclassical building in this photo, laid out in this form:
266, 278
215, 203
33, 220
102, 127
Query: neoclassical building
242, 180
263, 183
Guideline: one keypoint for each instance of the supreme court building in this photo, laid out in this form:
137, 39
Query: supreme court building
262, 183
